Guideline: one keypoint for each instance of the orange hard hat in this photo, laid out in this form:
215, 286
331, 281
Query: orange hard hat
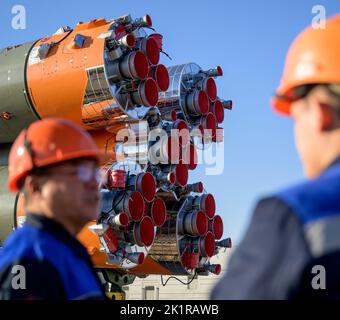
45, 142
313, 58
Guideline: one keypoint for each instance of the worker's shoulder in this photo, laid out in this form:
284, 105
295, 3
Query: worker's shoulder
29, 242
271, 211
314, 199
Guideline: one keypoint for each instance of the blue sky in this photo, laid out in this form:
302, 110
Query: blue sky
249, 39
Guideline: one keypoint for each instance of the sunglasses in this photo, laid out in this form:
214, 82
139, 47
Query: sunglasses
85, 173
297, 93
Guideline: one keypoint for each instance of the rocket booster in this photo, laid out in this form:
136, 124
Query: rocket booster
107, 77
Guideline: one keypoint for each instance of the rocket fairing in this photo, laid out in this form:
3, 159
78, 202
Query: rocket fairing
106, 76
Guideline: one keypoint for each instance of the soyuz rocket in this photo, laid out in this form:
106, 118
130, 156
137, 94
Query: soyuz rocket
106, 77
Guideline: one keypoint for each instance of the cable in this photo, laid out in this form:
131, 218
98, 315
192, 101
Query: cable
62, 39
166, 54
173, 277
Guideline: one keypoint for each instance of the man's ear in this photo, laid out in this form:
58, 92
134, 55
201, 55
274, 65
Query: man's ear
327, 115
32, 185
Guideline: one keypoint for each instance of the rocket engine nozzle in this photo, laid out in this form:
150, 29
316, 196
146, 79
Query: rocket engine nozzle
195, 223
150, 48
181, 173
218, 110
227, 104
119, 220
136, 257
208, 85
206, 203
161, 75
214, 268
144, 21
147, 93
144, 183
143, 232
128, 40
217, 72
195, 187
209, 123
216, 227
159, 39
197, 102
225, 243
190, 157
205, 245
132, 203
133, 65
116, 179
158, 212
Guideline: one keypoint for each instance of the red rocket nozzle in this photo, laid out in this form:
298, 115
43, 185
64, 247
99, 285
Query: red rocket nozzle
132, 203
116, 179
158, 38
147, 93
111, 240
215, 269
143, 182
190, 259
218, 110
148, 186
207, 245
161, 75
141, 258
181, 173
195, 223
136, 206
197, 102
216, 227
209, 205
197, 187
148, 21
134, 66
183, 132
217, 72
150, 47
206, 203
172, 149
209, 86
190, 157
170, 115
158, 212
128, 40
172, 177
120, 220
173, 115
143, 21
144, 232
180, 125
136, 257
209, 123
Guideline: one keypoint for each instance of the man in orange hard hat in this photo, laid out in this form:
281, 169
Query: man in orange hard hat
55, 164
292, 246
